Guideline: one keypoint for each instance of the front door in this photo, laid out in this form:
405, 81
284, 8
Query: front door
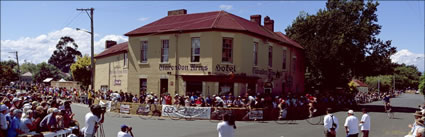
163, 86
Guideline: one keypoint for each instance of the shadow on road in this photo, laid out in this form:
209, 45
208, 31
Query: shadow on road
380, 108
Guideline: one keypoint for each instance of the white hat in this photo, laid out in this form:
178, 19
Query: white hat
15, 99
350, 111
3, 107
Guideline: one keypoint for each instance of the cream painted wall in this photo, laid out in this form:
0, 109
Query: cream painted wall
109, 69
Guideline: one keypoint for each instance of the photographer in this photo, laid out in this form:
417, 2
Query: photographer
125, 130
92, 120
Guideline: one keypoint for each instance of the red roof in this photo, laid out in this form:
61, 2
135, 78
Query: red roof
207, 21
292, 42
119, 48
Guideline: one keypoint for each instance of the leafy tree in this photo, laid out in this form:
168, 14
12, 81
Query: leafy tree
422, 84
81, 71
64, 55
28, 67
406, 76
7, 73
45, 70
340, 43
385, 83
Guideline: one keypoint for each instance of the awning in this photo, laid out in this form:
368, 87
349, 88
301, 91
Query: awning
221, 78
62, 80
48, 80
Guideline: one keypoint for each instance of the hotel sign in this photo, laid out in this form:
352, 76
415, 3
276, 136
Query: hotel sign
225, 68
192, 67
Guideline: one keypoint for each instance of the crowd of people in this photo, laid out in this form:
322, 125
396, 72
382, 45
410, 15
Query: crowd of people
352, 124
34, 111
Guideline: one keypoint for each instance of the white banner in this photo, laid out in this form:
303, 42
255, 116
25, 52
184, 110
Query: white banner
186, 112
255, 114
125, 109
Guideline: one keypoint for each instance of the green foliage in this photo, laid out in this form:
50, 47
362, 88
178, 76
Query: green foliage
406, 76
422, 84
81, 71
340, 43
384, 80
64, 55
28, 67
45, 70
7, 73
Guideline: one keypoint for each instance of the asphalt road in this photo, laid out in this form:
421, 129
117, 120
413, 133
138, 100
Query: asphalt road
381, 125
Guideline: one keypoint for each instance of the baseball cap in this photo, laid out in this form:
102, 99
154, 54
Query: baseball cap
124, 126
3, 108
350, 111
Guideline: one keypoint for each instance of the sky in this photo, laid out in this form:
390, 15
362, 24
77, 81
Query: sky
34, 28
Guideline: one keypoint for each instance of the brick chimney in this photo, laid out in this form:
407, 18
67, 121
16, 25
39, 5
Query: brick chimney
256, 19
177, 12
268, 23
110, 43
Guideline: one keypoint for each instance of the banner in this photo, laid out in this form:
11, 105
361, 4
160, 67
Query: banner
125, 109
255, 114
186, 112
106, 104
143, 109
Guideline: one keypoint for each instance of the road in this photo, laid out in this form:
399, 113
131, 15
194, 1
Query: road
381, 126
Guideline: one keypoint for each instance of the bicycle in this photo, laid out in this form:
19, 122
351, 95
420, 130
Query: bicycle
254, 114
388, 109
114, 110
147, 111
283, 119
313, 119
218, 113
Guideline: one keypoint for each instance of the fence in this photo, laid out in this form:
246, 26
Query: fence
193, 112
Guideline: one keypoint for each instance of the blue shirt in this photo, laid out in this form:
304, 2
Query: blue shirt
13, 127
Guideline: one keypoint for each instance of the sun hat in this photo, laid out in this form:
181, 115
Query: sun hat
17, 111
350, 111
3, 107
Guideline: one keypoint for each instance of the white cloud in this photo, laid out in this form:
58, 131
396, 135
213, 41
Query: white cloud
143, 19
409, 58
226, 7
39, 49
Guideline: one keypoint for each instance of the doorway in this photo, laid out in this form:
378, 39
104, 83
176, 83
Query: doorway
163, 86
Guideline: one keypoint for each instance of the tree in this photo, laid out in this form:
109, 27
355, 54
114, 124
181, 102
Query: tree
28, 67
7, 73
64, 55
406, 77
340, 43
81, 71
422, 84
45, 70
385, 83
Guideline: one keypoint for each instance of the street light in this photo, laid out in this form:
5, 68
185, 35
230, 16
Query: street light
92, 56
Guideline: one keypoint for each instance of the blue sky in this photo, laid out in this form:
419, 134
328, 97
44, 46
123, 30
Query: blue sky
27, 26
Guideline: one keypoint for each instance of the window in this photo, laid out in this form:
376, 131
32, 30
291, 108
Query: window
164, 51
196, 49
143, 85
270, 56
227, 50
284, 59
125, 59
255, 53
144, 52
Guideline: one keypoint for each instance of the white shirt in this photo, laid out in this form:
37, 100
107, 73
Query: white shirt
366, 124
225, 130
90, 122
328, 122
23, 126
353, 125
416, 128
123, 134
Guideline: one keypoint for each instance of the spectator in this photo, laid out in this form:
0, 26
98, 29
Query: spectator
365, 123
91, 120
14, 130
420, 133
125, 130
227, 127
3, 121
330, 124
351, 125
49, 122
27, 123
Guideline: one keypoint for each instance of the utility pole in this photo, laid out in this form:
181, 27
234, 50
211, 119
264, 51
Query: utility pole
92, 43
17, 61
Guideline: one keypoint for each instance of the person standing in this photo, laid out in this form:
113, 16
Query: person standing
125, 130
351, 125
365, 123
92, 119
330, 123
14, 130
227, 127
